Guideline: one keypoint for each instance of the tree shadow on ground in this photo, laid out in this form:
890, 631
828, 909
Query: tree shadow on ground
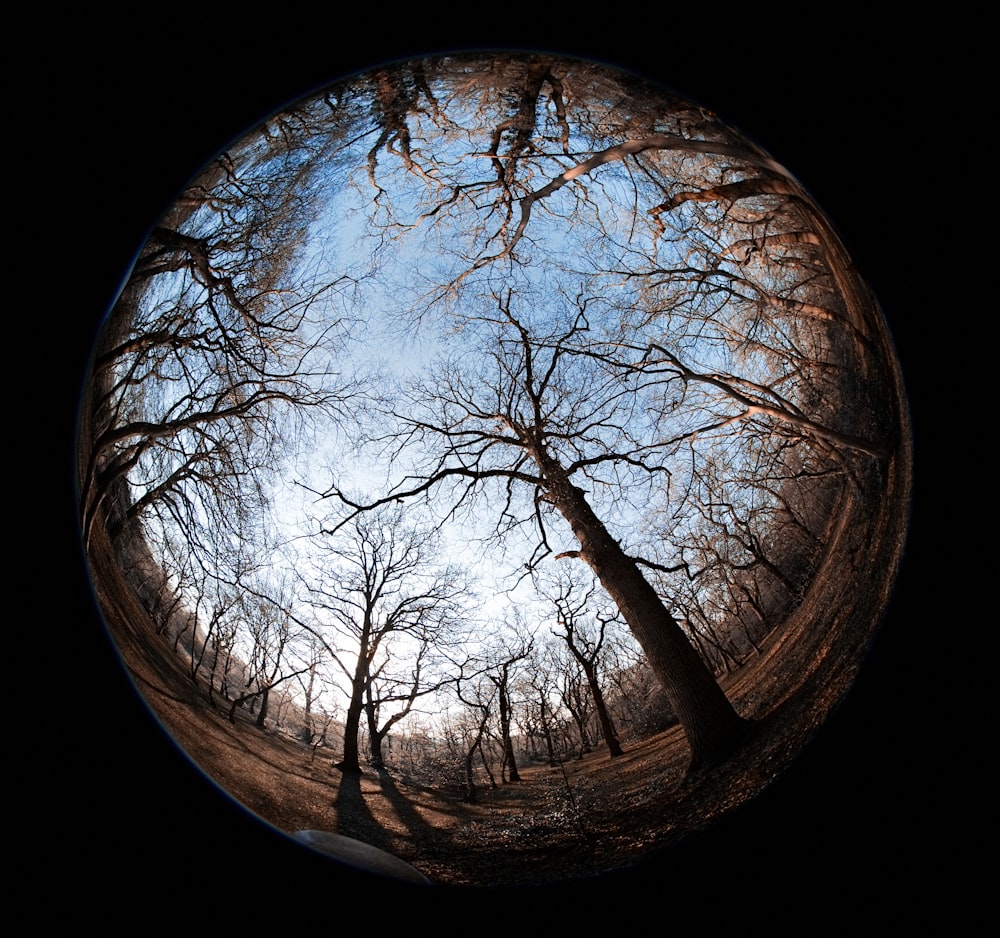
353, 817
430, 826
358, 815
403, 808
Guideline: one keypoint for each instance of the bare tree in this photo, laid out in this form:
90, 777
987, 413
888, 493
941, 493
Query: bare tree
469, 729
503, 656
538, 689
211, 363
395, 687
314, 686
383, 591
577, 700
270, 634
210, 341
585, 641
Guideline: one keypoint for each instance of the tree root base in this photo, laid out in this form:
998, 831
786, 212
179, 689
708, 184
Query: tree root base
743, 733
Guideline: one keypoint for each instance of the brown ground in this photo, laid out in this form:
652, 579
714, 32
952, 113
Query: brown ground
582, 817
558, 823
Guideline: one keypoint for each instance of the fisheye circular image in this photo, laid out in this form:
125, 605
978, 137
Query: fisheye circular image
493, 470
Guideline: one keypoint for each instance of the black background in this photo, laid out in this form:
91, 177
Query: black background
844, 833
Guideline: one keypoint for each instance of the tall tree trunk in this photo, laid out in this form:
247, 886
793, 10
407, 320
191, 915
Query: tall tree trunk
359, 688
712, 726
607, 727
262, 716
374, 736
352, 728
470, 779
508, 745
547, 730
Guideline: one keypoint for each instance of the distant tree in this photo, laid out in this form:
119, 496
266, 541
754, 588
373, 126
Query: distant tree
503, 656
538, 688
383, 590
322, 720
390, 694
268, 657
576, 698
223, 643
467, 731
585, 641
313, 686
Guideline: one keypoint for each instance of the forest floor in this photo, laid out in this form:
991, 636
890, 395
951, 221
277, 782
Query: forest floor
564, 822
573, 820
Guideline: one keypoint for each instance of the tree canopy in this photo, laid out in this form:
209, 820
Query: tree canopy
533, 304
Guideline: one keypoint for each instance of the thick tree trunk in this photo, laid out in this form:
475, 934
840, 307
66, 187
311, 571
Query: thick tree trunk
712, 726
359, 687
352, 726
